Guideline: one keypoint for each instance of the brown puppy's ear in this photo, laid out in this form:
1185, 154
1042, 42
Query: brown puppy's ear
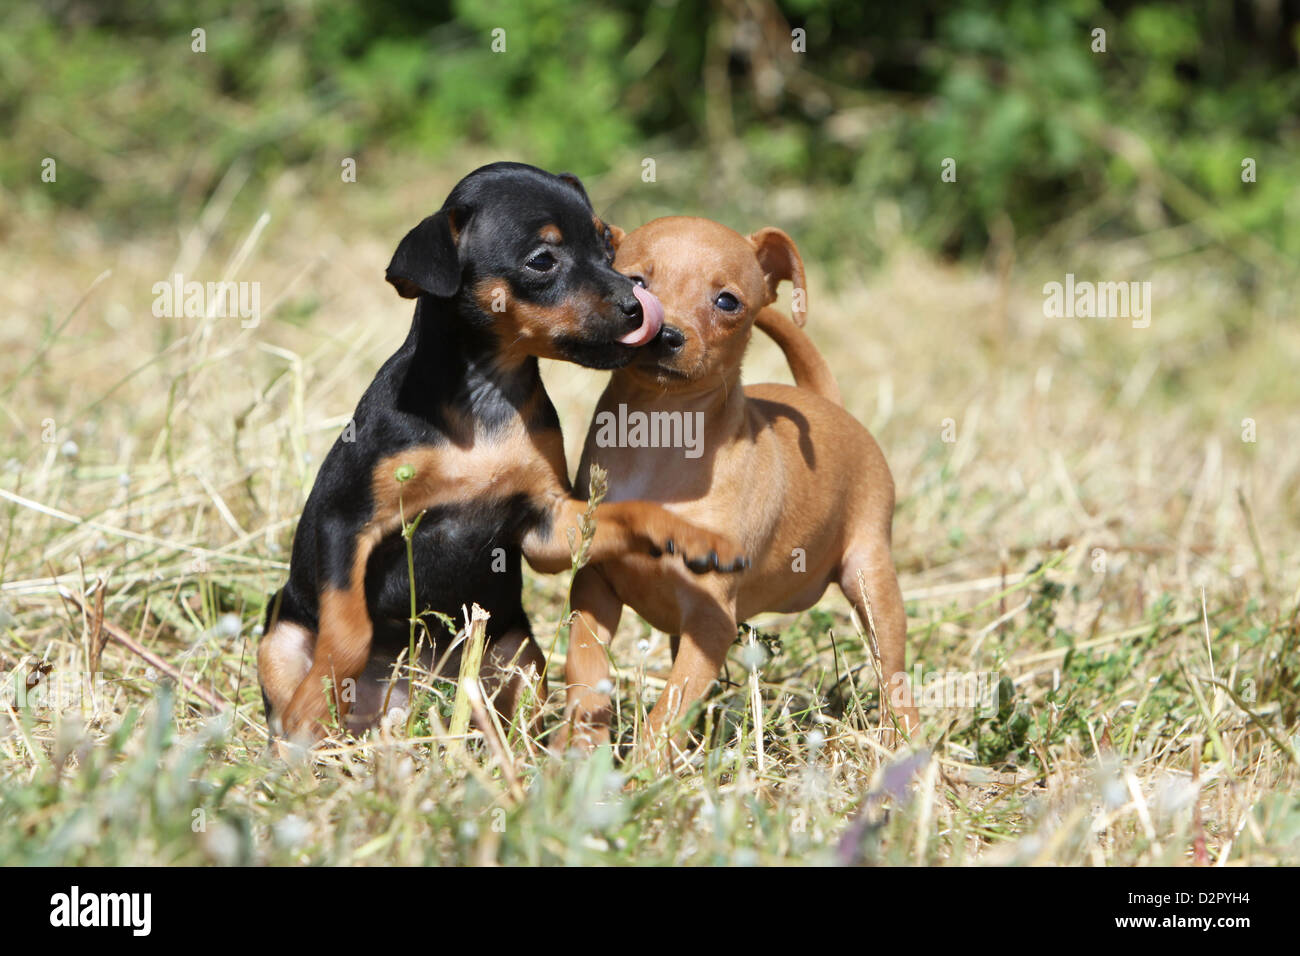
615, 234
779, 259
427, 259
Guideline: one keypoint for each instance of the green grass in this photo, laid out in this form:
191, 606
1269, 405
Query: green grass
1133, 725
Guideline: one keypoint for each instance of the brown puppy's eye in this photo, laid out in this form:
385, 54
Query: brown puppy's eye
727, 302
542, 262
637, 280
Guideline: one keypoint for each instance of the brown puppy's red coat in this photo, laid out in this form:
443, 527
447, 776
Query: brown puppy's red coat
794, 478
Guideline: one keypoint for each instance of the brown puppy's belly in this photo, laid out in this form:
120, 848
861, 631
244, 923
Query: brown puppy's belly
667, 598
779, 594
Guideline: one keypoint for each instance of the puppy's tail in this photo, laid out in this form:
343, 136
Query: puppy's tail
809, 368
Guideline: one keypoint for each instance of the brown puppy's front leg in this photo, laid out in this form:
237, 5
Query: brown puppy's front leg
587, 713
701, 652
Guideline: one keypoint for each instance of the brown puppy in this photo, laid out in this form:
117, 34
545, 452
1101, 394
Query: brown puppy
800, 484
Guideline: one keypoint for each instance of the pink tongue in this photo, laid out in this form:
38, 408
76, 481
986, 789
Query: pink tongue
652, 318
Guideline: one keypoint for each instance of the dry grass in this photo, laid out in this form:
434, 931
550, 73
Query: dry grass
1098, 490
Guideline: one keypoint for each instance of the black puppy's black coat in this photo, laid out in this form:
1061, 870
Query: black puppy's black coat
514, 266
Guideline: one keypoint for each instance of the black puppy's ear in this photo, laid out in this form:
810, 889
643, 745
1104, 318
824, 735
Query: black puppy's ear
426, 259
611, 235
576, 183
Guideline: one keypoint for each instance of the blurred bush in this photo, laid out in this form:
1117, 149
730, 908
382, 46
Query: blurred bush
1150, 133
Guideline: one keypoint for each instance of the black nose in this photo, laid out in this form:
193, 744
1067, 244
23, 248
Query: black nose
631, 307
672, 338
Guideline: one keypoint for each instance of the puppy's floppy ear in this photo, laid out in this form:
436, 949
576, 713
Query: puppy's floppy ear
779, 259
610, 233
426, 259
576, 183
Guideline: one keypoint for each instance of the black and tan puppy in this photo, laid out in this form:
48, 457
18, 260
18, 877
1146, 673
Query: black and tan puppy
800, 483
515, 266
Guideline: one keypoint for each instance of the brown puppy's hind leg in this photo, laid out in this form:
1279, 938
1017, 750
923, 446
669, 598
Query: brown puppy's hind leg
587, 711
890, 619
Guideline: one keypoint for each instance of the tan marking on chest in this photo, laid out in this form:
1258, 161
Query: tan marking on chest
498, 466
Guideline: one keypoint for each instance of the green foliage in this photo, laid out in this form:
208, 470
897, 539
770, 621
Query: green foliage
1152, 131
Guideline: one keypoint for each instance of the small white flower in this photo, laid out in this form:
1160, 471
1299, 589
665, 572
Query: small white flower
1029, 846
290, 832
227, 626
643, 647
222, 843
1113, 792
815, 740
1174, 793
601, 814
753, 656
213, 730
605, 687
69, 449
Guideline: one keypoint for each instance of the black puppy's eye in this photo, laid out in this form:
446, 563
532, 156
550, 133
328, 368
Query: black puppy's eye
637, 280
727, 302
542, 262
